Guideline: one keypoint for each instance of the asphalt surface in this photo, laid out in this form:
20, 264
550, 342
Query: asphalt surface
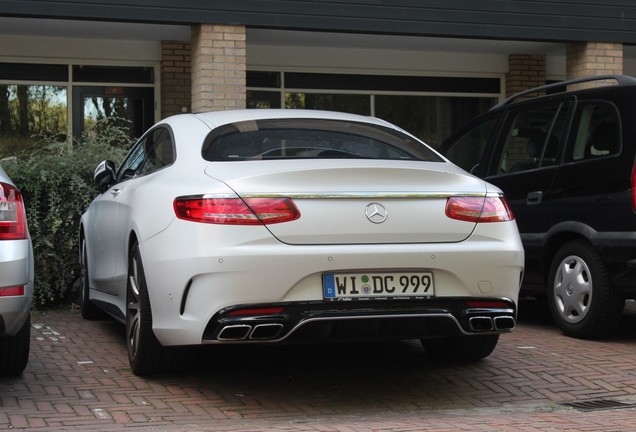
78, 378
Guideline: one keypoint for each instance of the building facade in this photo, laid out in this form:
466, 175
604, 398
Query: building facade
427, 65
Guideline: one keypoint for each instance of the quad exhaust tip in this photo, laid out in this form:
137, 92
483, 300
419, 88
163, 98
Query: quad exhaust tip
234, 332
486, 323
238, 332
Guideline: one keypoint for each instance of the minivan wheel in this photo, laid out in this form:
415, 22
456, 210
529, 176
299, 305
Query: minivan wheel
580, 296
145, 352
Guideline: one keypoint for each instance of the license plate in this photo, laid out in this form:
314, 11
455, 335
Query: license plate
377, 285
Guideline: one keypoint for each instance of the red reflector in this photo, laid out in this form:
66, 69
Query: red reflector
488, 304
257, 311
478, 209
235, 211
12, 291
12, 214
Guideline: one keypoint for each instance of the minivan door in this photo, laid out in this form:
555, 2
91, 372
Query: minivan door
524, 163
592, 178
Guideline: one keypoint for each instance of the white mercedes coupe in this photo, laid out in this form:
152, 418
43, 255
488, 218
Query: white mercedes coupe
284, 226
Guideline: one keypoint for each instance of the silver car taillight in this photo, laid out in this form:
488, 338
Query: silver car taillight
12, 214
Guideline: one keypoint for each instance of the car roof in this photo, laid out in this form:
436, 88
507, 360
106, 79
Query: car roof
621, 81
218, 118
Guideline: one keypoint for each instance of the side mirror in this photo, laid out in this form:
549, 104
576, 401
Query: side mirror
105, 174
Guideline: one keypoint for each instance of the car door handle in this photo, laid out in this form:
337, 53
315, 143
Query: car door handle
115, 192
534, 198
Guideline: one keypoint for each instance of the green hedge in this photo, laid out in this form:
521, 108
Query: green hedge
57, 185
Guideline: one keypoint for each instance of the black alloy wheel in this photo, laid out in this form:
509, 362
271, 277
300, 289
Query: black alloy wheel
145, 353
88, 309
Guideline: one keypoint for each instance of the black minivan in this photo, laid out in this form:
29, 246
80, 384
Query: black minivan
565, 161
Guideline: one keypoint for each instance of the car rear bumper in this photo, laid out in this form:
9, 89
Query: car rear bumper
198, 281
16, 270
360, 320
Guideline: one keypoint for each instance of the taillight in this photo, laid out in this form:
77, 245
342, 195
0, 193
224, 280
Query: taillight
12, 214
479, 209
235, 211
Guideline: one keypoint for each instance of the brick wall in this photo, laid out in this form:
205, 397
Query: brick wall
524, 71
176, 94
218, 67
593, 58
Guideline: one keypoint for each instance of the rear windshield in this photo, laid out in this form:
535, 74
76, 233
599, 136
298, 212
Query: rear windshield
311, 139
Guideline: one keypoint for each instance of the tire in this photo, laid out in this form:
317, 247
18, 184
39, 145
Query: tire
582, 302
145, 354
88, 309
460, 349
14, 350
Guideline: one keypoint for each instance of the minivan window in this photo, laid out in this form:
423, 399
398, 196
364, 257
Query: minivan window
597, 132
532, 139
468, 149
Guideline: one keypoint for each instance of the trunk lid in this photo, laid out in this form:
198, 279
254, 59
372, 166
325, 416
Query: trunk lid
362, 202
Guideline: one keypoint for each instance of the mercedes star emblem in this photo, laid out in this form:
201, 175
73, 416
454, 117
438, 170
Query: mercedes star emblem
376, 213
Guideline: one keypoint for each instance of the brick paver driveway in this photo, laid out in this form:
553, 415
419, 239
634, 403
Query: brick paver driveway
536, 380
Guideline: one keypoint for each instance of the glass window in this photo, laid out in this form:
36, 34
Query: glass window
153, 152
467, 150
133, 161
311, 139
30, 113
263, 99
159, 151
430, 118
532, 139
113, 74
355, 104
597, 127
99, 108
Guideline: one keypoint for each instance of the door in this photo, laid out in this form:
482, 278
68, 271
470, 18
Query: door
130, 107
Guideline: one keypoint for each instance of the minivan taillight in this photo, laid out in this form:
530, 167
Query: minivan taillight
479, 209
235, 211
12, 214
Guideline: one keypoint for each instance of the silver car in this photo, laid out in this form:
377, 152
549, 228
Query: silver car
16, 280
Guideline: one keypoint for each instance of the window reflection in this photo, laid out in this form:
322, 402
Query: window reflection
29, 113
356, 104
430, 118
97, 109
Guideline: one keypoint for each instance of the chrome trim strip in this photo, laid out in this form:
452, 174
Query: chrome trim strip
344, 195
359, 195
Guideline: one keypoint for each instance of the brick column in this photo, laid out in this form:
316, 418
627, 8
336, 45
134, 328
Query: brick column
524, 72
175, 78
218, 67
593, 58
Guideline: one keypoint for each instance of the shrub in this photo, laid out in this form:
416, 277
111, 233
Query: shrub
57, 185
